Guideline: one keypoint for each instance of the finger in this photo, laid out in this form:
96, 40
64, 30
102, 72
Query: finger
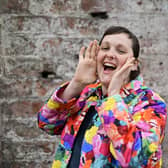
93, 50
130, 60
134, 63
81, 53
88, 50
98, 49
124, 75
126, 67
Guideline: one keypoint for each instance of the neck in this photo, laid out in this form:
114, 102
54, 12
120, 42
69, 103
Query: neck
104, 89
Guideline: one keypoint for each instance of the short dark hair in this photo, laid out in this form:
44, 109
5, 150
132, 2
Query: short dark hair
135, 44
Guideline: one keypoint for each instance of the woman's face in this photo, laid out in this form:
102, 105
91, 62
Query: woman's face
114, 51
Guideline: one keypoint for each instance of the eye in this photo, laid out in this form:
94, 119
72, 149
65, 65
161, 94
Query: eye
104, 47
121, 51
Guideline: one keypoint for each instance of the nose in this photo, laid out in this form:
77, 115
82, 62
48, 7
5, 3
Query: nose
111, 54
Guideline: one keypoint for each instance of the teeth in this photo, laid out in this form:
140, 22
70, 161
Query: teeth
109, 65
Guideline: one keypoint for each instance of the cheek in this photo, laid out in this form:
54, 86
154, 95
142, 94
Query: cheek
123, 61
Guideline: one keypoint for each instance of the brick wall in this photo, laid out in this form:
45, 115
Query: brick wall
39, 45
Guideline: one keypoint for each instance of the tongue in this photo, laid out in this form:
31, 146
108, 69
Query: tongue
108, 68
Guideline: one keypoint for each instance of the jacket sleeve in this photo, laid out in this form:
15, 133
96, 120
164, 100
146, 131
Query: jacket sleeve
55, 112
136, 131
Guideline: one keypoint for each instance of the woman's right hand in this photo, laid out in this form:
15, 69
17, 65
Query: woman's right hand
86, 69
85, 72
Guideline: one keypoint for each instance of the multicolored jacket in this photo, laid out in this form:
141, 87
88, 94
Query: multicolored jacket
127, 130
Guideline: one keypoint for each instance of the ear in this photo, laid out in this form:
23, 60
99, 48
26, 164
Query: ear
135, 66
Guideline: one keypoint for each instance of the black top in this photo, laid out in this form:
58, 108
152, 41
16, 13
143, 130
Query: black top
76, 150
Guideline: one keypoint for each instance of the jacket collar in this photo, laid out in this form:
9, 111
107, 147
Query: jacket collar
131, 87
135, 84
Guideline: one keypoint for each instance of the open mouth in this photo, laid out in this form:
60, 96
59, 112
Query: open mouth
108, 66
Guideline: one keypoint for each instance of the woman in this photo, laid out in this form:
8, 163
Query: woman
106, 116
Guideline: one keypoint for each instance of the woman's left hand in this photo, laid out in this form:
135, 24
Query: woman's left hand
121, 77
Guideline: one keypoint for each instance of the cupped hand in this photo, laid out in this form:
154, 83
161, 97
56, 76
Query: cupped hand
86, 69
85, 72
121, 77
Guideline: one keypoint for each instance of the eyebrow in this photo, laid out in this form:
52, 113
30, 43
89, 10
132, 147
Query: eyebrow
118, 45
122, 46
105, 42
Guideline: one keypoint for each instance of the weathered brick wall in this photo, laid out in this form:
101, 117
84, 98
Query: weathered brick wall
39, 45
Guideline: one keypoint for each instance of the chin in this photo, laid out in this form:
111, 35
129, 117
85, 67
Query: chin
105, 82
105, 79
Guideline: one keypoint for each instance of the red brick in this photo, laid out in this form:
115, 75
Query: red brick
16, 88
20, 129
21, 108
28, 24
93, 6
14, 151
14, 6
83, 26
63, 6
51, 46
26, 164
36, 105
43, 87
